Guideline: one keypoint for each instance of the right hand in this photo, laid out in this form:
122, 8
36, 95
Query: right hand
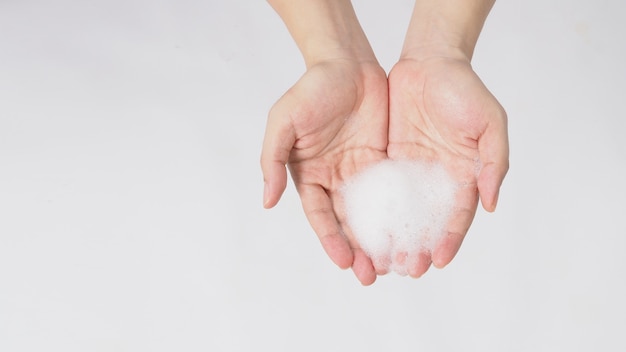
330, 125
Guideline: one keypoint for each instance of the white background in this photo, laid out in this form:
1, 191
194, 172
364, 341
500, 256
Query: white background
130, 188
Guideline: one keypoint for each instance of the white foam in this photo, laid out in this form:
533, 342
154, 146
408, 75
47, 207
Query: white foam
397, 207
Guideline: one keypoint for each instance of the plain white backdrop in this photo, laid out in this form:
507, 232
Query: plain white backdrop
130, 188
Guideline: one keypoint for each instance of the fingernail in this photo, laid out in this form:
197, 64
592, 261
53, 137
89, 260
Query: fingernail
266, 194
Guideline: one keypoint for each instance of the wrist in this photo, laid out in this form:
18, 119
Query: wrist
325, 30
447, 29
428, 51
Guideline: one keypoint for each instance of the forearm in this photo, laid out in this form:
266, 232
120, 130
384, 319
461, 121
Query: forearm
445, 28
324, 29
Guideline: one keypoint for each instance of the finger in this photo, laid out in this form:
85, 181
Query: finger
493, 147
277, 144
458, 224
363, 268
362, 265
319, 211
382, 264
379, 262
418, 263
446, 249
399, 262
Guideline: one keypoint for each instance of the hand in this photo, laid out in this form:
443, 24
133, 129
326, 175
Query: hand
441, 111
330, 125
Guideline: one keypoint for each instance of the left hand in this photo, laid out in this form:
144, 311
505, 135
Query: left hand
441, 111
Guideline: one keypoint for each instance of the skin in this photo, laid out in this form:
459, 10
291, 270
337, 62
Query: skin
343, 115
330, 125
441, 111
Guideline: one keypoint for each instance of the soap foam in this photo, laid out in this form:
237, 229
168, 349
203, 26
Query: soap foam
396, 207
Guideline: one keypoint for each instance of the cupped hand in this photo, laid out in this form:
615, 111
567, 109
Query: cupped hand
330, 125
440, 111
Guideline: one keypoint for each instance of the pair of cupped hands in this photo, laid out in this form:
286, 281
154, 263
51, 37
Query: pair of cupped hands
345, 114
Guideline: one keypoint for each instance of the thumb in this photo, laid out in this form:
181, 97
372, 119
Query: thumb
277, 144
493, 147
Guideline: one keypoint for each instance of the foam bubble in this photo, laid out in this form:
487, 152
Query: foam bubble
396, 207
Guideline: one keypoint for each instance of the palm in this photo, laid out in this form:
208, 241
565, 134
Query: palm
440, 111
329, 126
